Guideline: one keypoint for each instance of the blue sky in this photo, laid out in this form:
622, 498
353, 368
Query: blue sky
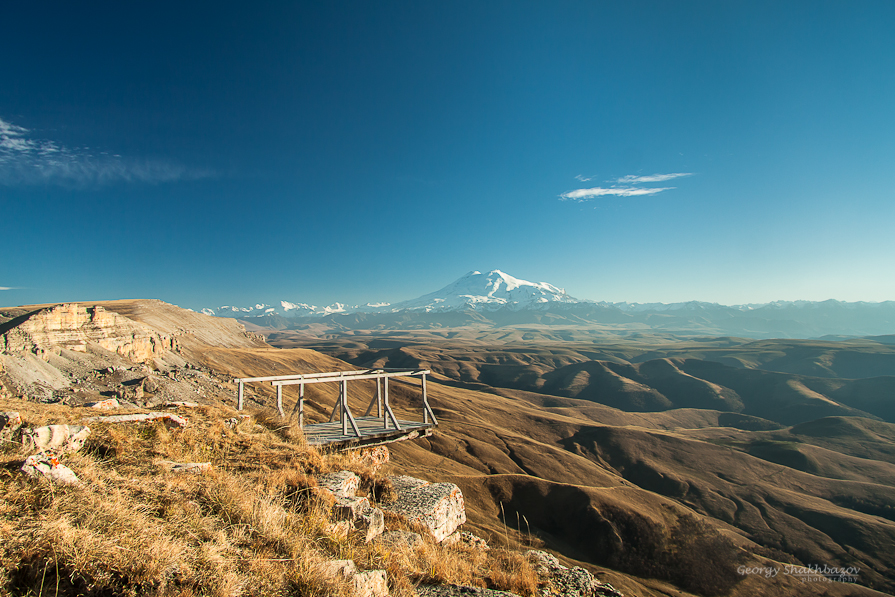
356, 151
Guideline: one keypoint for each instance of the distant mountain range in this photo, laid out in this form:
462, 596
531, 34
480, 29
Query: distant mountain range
498, 299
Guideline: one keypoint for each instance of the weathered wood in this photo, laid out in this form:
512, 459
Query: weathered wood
239, 397
351, 376
365, 430
301, 406
371, 433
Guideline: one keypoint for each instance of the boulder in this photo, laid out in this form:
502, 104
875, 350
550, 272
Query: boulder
10, 422
341, 484
65, 438
46, 464
371, 522
439, 507
366, 584
363, 516
568, 582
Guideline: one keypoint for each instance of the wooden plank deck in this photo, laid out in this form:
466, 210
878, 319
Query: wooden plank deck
372, 433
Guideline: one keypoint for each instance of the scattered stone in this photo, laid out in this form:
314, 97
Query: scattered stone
66, 438
150, 385
371, 522
363, 516
366, 584
105, 404
437, 506
10, 422
567, 582
465, 539
187, 467
181, 404
47, 465
459, 591
400, 539
169, 418
342, 484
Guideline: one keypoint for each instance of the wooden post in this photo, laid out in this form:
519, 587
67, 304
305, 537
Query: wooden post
280, 400
384, 419
343, 396
301, 406
378, 397
427, 410
425, 402
239, 396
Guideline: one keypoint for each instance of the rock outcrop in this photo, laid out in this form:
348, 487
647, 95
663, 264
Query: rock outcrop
439, 507
342, 486
366, 584
562, 581
74, 326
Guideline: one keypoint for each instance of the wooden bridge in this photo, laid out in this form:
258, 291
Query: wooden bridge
348, 431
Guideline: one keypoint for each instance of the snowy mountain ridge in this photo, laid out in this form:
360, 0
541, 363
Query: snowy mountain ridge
496, 290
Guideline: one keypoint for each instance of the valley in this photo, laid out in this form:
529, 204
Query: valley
664, 465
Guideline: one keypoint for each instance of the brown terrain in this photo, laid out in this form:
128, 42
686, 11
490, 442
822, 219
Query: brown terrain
663, 466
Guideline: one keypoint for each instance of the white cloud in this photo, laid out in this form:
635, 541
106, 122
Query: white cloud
585, 194
583, 178
7, 288
26, 160
632, 179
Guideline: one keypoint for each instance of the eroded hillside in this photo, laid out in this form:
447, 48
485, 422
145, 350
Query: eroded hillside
702, 479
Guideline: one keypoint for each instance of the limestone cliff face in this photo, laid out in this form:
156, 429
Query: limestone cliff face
75, 326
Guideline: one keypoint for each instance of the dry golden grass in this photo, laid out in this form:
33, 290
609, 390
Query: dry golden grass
249, 526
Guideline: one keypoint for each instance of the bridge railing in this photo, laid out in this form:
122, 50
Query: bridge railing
380, 399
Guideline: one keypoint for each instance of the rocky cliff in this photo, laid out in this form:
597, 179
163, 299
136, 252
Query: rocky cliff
74, 326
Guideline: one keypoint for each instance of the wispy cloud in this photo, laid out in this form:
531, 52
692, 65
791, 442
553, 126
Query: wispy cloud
25, 160
634, 179
621, 187
585, 194
7, 288
583, 178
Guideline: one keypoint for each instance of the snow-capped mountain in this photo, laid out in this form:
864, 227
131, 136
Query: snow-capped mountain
475, 290
490, 291
498, 299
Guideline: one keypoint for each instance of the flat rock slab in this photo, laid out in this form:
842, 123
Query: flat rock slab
46, 465
437, 506
142, 418
66, 438
459, 591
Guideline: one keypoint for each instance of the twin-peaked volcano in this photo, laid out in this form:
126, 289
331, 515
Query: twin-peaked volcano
489, 291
